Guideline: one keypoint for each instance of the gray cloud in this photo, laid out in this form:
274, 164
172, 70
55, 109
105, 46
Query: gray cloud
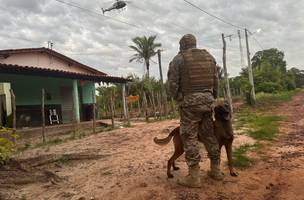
102, 43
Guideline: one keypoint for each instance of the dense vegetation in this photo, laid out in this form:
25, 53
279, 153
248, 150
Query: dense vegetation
270, 74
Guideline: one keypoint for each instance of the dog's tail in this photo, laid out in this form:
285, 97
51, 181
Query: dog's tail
166, 140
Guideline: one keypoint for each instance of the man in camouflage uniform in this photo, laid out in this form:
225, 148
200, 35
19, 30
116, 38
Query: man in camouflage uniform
193, 84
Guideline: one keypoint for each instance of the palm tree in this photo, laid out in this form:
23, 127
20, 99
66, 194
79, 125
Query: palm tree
145, 49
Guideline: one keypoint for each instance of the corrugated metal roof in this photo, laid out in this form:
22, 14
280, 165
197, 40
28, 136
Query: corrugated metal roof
36, 71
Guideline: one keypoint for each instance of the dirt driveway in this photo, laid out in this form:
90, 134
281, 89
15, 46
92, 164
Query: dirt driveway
126, 165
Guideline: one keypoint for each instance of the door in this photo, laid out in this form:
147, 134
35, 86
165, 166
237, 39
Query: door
67, 104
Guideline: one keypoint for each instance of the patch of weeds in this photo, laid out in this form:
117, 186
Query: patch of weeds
109, 128
25, 147
67, 195
49, 143
265, 127
261, 127
257, 146
81, 135
127, 125
64, 159
271, 99
240, 159
107, 173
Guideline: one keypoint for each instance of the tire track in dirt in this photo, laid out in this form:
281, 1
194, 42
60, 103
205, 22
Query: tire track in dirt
288, 154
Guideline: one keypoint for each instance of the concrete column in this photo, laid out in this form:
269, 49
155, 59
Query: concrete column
5, 90
76, 101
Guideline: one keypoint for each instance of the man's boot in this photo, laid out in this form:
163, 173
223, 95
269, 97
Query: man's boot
215, 171
193, 179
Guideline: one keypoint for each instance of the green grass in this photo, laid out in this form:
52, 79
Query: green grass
259, 123
240, 159
266, 100
260, 126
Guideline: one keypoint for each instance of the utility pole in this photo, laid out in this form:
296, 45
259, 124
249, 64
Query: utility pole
250, 74
241, 49
227, 86
163, 92
125, 105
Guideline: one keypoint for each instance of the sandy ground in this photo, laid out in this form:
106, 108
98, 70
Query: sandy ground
130, 166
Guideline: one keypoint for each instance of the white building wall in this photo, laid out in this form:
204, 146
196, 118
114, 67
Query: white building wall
42, 60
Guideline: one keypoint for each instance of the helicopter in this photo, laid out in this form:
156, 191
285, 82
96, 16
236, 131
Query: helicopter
119, 4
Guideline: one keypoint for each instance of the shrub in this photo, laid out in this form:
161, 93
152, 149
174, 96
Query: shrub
7, 148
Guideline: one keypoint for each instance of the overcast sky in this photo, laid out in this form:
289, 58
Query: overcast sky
102, 42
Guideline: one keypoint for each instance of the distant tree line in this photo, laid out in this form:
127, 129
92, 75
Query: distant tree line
270, 74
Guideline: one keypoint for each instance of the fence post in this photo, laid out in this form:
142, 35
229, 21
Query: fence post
43, 114
94, 111
13, 103
146, 107
112, 109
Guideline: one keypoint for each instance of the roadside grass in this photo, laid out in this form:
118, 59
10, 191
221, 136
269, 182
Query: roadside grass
266, 100
240, 159
260, 124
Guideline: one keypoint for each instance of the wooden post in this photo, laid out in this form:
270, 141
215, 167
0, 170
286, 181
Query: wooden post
123, 99
153, 103
112, 108
43, 114
173, 106
159, 105
13, 103
94, 111
227, 85
241, 49
125, 105
163, 91
138, 106
1, 111
250, 74
146, 107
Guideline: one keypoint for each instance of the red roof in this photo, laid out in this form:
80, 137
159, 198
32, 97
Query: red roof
53, 53
36, 71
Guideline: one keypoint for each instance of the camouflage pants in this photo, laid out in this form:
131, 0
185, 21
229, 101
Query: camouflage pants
197, 125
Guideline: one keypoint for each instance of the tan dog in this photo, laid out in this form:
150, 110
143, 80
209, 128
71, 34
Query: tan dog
223, 132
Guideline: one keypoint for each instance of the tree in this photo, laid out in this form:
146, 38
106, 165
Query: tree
273, 56
298, 76
145, 48
269, 72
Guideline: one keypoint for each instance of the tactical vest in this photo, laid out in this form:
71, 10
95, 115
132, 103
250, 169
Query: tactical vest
197, 72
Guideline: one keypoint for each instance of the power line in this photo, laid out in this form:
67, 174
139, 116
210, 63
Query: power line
216, 17
254, 38
224, 21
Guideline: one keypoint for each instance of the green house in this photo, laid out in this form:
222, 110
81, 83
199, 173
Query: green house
68, 85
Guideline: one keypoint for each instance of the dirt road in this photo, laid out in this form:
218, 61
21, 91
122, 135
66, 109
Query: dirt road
129, 166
